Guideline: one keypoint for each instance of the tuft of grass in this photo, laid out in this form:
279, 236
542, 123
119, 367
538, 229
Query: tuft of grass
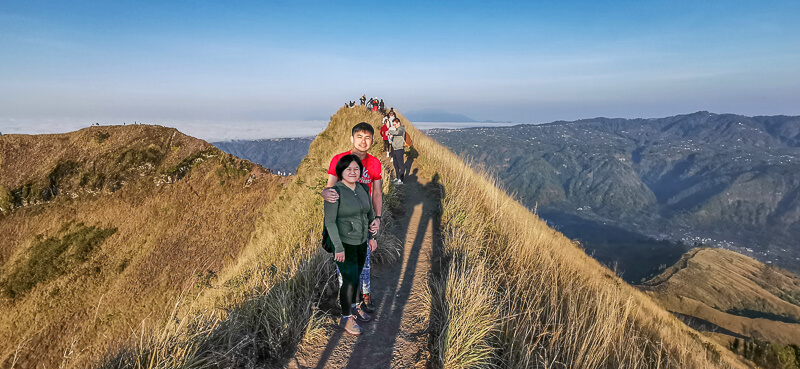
463, 317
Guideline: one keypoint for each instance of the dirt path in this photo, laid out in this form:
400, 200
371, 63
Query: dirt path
397, 336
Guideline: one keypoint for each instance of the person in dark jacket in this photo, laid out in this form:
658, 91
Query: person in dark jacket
348, 222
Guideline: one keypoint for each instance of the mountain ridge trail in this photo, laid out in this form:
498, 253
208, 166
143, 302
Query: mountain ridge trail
397, 336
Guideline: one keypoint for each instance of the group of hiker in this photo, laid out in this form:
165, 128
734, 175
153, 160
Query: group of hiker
353, 207
395, 139
372, 104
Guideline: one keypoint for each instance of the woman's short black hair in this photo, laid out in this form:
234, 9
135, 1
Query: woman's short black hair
345, 161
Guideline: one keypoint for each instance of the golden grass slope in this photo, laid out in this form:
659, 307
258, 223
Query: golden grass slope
708, 283
514, 292
261, 305
518, 294
127, 218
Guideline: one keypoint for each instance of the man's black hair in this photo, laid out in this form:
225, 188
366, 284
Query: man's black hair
345, 161
363, 126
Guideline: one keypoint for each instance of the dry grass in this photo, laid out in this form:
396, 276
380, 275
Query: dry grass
732, 281
515, 293
166, 234
260, 307
545, 303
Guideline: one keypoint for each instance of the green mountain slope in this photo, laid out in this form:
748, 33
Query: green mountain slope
716, 179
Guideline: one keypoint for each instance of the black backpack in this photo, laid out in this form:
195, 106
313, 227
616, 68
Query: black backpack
326, 242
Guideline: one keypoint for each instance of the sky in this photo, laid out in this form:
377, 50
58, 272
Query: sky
259, 69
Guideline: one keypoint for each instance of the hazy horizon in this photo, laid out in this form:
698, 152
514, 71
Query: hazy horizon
215, 132
232, 131
223, 64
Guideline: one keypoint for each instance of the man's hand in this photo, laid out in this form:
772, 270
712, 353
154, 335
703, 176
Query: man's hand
330, 195
339, 256
373, 244
376, 224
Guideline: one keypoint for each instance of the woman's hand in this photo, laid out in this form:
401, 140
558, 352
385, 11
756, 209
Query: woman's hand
373, 244
339, 256
376, 224
330, 195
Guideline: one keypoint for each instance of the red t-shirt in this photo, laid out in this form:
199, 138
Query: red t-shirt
372, 168
384, 129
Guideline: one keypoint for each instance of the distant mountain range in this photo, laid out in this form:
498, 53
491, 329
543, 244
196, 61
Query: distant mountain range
708, 179
279, 154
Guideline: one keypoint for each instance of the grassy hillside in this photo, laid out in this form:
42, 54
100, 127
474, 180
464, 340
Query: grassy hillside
513, 292
104, 229
258, 307
519, 294
733, 291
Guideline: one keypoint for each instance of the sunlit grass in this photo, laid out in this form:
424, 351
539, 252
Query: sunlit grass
530, 298
265, 304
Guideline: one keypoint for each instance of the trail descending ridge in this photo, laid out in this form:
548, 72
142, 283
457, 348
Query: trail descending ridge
397, 336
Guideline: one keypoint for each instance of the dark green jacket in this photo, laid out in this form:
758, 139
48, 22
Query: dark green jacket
348, 219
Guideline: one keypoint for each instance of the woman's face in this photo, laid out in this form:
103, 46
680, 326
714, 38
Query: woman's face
351, 174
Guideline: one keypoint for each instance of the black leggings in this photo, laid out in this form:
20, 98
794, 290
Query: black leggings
354, 258
399, 163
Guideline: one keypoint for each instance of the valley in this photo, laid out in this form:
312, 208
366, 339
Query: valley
699, 179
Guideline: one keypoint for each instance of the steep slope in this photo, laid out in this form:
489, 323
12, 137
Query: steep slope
512, 291
259, 306
516, 293
105, 228
735, 292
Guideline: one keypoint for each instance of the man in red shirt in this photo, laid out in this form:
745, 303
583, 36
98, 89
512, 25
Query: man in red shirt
362, 138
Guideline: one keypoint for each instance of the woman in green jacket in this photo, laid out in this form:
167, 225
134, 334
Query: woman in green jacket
348, 221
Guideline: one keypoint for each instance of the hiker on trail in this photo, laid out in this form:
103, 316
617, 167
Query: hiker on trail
397, 135
363, 99
387, 123
382, 106
361, 137
348, 221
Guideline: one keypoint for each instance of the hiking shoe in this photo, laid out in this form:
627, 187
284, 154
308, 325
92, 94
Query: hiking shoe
350, 325
360, 314
367, 307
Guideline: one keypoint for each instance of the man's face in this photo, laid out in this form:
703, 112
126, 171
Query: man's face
362, 141
396, 124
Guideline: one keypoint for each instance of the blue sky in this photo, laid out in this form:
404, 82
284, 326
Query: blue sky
245, 64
